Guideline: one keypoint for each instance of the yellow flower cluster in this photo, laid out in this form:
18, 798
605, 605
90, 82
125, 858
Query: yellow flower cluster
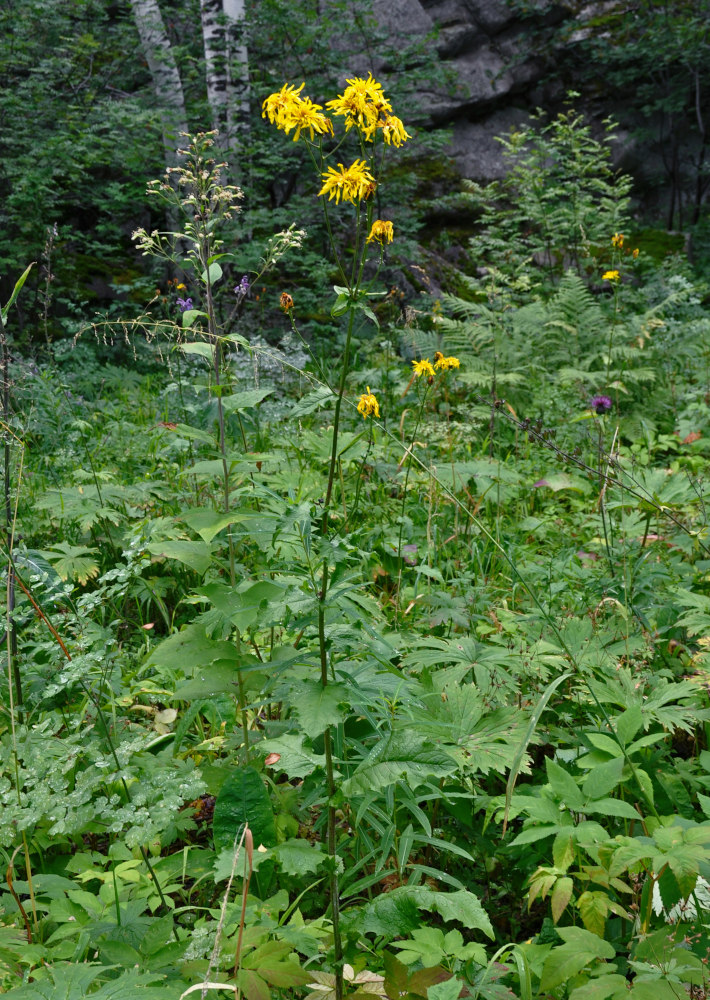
423, 368
393, 130
610, 276
441, 364
348, 183
381, 231
362, 102
617, 241
364, 105
368, 405
288, 110
445, 364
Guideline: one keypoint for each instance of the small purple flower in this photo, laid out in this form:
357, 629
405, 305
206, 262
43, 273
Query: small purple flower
600, 404
242, 288
185, 304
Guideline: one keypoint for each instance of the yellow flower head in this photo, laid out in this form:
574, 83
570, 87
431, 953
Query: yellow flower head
362, 102
304, 114
635, 253
288, 110
368, 405
349, 183
617, 240
277, 107
381, 231
610, 276
393, 130
423, 368
443, 364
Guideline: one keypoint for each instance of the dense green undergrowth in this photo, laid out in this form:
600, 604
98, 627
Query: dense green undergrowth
415, 711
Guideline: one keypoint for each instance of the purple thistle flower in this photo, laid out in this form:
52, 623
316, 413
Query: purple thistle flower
600, 404
242, 288
185, 304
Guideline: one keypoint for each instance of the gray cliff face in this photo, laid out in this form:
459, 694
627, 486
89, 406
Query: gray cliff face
499, 79
479, 43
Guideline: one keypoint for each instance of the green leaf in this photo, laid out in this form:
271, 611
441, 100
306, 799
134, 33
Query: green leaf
560, 897
564, 786
252, 985
198, 347
71, 982
603, 778
563, 481
294, 759
298, 857
612, 807
212, 679
463, 906
312, 401
534, 833
594, 908
244, 400
340, 305
399, 756
213, 272
188, 318
450, 989
628, 724
655, 989
563, 850
390, 915
602, 988
318, 707
243, 799
119, 953
645, 783
208, 522
197, 434
580, 949
16, 291
196, 555
517, 764
190, 647
369, 313
73, 562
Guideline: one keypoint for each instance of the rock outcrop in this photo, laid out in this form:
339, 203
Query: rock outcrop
495, 84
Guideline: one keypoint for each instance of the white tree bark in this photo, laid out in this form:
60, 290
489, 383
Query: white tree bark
170, 100
226, 70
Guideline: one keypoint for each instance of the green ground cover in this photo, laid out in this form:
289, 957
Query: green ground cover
369, 656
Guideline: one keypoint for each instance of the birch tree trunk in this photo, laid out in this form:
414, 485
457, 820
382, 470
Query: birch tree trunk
170, 100
226, 71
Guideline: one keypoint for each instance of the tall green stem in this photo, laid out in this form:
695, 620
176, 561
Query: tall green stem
404, 503
328, 736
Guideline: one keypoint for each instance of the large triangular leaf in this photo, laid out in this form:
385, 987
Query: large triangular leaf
318, 707
208, 522
190, 648
244, 400
196, 555
289, 755
400, 756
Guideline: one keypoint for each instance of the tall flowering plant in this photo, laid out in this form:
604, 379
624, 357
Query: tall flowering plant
363, 113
